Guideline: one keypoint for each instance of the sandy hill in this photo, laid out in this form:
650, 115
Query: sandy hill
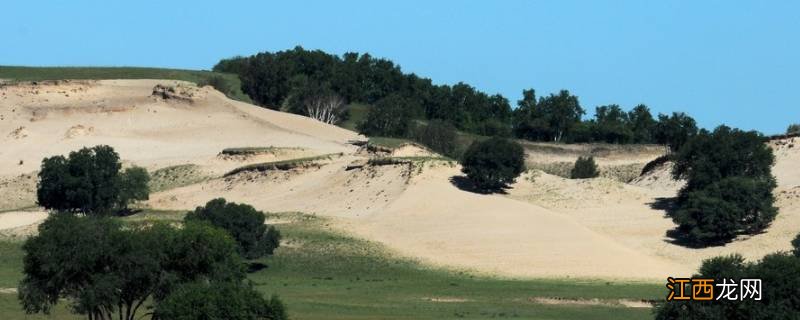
545, 226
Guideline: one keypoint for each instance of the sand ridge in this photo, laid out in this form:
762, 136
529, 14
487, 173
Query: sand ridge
545, 226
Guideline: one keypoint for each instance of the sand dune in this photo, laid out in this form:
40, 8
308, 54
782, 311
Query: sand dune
546, 226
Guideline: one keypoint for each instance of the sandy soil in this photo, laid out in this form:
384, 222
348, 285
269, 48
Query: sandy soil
545, 226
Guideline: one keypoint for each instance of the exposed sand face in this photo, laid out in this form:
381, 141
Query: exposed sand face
546, 226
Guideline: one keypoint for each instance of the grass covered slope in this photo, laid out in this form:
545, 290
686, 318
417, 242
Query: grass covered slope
18, 73
321, 273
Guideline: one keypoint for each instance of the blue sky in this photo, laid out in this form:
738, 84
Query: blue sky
728, 62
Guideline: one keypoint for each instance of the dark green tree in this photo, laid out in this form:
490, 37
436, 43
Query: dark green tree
133, 186
562, 112
493, 163
390, 117
728, 188
642, 124
612, 125
104, 269
244, 223
87, 181
675, 130
584, 168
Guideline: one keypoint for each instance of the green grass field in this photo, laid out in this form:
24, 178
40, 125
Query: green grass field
321, 273
99, 73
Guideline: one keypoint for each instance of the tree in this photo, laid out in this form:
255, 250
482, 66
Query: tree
562, 112
327, 108
642, 124
390, 117
729, 185
103, 268
793, 129
584, 168
675, 130
612, 124
87, 181
719, 212
133, 186
234, 301
493, 163
244, 223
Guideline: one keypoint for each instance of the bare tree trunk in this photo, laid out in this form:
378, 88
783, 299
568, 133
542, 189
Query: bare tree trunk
325, 108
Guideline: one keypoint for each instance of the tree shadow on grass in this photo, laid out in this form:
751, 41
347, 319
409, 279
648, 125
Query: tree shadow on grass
465, 184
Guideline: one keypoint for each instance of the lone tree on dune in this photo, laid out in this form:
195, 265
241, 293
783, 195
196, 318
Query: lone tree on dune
493, 163
584, 168
89, 181
244, 223
729, 185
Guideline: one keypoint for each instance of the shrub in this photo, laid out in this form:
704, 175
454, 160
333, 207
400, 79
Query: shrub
244, 223
439, 136
234, 301
729, 185
584, 168
493, 163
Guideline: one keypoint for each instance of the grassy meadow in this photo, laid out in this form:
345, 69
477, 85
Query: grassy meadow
321, 273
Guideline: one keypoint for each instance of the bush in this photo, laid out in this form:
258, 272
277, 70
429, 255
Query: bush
493, 163
88, 181
729, 186
234, 301
584, 168
244, 223
440, 137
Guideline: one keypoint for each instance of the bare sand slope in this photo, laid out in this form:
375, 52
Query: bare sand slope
440, 223
546, 226
631, 215
48, 119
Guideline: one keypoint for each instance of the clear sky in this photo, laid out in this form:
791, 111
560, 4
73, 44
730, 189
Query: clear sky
731, 62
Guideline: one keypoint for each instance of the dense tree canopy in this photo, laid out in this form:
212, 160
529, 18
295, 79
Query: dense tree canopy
493, 163
244, 223
89, 181
728, 187
104, 268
